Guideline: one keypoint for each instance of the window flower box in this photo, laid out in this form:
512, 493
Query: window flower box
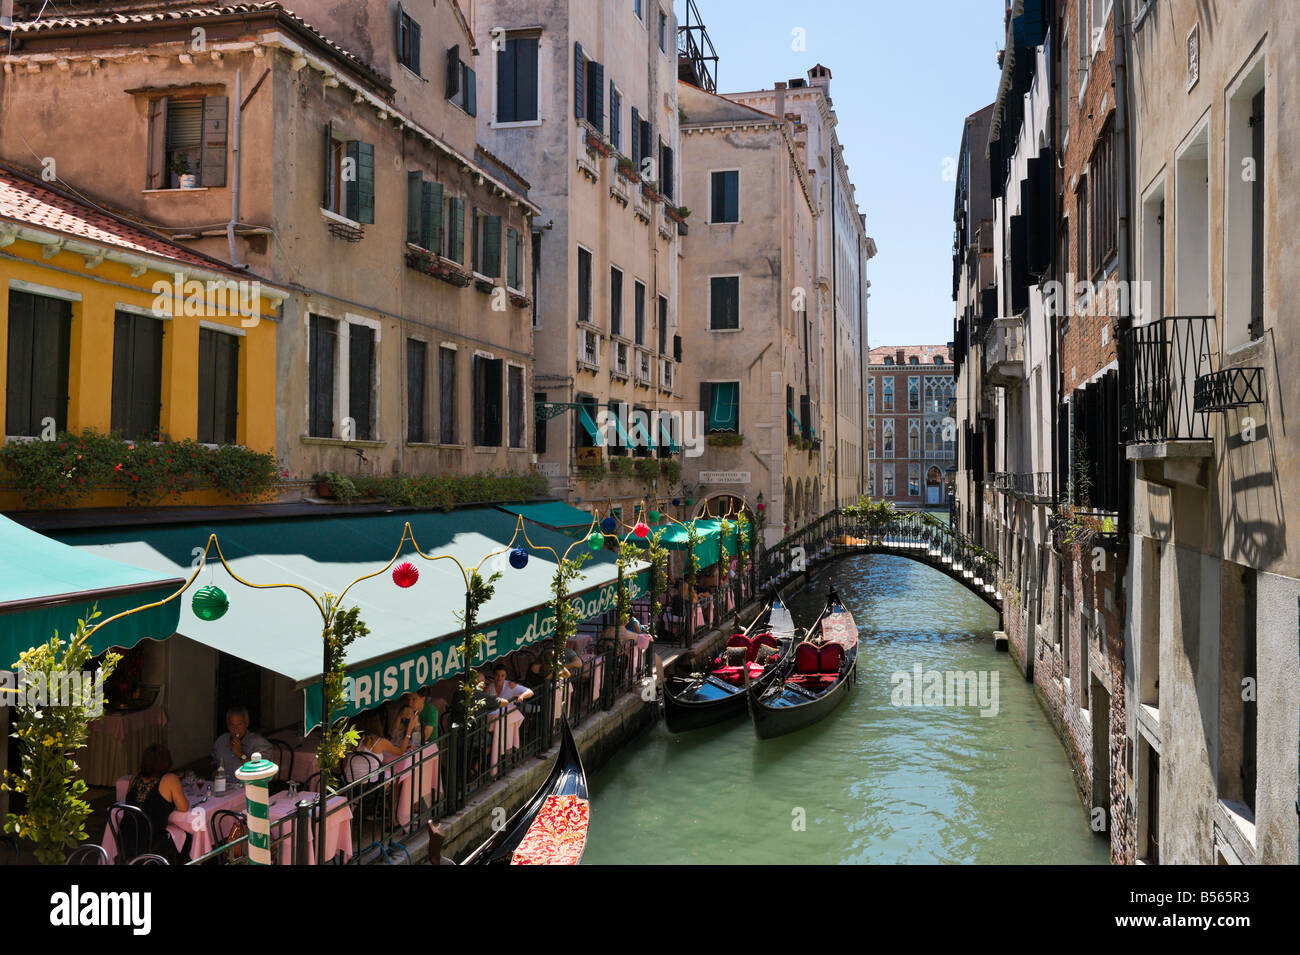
726, 439
627, 169
484, 285
598, 146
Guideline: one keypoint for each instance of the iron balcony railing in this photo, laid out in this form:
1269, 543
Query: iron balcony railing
1164, 359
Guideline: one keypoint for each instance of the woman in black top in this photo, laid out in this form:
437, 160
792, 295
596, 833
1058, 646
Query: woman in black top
158, 793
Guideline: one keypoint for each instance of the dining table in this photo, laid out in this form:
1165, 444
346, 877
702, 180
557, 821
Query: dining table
203, 804
416, 778
512, 719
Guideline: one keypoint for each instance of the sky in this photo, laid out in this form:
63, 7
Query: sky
905, 73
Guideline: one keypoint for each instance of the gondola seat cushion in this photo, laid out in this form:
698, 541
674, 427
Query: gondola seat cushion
831, 656
762, 640
814, 681
764, 654
738, 640
806, 659
736, 656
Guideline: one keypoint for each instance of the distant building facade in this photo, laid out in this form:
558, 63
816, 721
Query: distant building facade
912, 436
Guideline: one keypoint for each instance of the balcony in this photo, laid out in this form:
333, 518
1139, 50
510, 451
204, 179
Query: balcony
644, 367
666, 374
1163, 429
622, 363
1004, 355
588, 349
1032, 486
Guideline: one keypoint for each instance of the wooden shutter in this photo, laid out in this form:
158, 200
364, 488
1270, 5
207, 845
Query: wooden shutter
216, 125
513, 251
157, 177
508, 82
478, 396
677, 348
447, 395
647, 142
431, 214
492, 246
470, 81
416, 365
413, 39
596, 108
493, 410
718, 211
361, 193
805, 415
327, 166
37, 384
218, 387
526, 78
137, 375
515, 397
415, 233
1257, 217
579, 81
361, 352
458, 231
321, 379
634, 150
615, 107
666, 170
453, 71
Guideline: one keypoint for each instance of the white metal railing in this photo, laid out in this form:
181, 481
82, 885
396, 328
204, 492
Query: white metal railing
643, 367
621, 358
588, 347
1006, 343
666, 374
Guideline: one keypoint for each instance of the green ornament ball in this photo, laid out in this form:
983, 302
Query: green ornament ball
210, 603
596, 541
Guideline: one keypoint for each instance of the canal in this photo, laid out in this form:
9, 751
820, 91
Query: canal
874, 782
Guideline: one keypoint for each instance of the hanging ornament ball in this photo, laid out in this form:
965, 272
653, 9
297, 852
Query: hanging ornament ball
405, 574
654, 517
677, 502
609, 525
596, 541
762, 506
690, 501
519, 558
577, 500
210, 603
641, 529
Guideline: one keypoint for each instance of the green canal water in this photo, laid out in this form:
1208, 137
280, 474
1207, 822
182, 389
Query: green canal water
873, 782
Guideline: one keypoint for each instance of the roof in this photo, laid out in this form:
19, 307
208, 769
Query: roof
25, 200
145, 13
551, 514
701, 108
925, 354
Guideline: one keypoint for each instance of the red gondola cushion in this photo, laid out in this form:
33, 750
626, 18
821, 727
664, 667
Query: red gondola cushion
831, 656
763, 640
738, 640
806, 658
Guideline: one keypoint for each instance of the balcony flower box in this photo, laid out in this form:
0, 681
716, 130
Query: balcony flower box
484, 285
598, 146
430, 264
627, 169
650, 192
726, 439
520, 301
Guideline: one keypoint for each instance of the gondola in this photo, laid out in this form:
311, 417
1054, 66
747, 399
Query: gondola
551, 828
717, 694
813, 679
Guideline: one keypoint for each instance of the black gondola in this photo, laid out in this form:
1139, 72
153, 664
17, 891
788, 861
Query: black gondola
567, 786
813, 679
719, 693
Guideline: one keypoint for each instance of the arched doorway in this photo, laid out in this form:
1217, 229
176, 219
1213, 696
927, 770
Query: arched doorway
933, 487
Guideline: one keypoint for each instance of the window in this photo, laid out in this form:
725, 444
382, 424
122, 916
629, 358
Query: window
417, 357
914, 438
665, 169
724, 302
424, 204
914, 480
361, 383
887, 483
515, 399
726, 197
663, 325
585, 431
349, 178
871, 394
137, 375
887, 395
663, 32
486, 382
584, 285
615, 117
517, 80
461, 82
588, 89
218, 386
408, 41
514, 259
187, 137
938, 359
615, 301
720, 402
1081, 237
321, 359
487, 244
914, 360
636, 8
887, 439
40, 332
539, 424
913, 394
454, 231
638, 311
447, 395
1102, 212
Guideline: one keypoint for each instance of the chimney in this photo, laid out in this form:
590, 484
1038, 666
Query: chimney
898, 357
820, 76
780, 100
6, 14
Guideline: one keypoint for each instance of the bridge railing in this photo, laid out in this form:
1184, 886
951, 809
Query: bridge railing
905, 532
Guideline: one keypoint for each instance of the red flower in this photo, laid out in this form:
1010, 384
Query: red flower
117, 467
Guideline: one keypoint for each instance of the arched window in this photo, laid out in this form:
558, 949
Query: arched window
913, 439
887, 438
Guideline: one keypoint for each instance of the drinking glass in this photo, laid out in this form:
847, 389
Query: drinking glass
293, 790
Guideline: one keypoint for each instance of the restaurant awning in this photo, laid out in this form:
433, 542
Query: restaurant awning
413, 631
550, 514
46, 586
675, 538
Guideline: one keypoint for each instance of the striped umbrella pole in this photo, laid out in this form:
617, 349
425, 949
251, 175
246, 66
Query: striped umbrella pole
256, 775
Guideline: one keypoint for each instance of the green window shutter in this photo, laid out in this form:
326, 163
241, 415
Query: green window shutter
470, 80
458, 231
615, 107
492, 246
327, 164
634, 153
431, 214
596, 110
414, 41
579, 81
414, 232
361, 193
512, 258
453, 71
212, 157
157, 175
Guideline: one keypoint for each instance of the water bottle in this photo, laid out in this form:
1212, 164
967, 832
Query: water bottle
219, 781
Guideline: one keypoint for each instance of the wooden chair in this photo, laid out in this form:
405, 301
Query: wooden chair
131, 829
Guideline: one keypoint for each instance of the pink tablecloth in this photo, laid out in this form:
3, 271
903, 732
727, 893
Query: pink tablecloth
304, 764
338, 828
423, 781
193, 823
513, 721
697, 618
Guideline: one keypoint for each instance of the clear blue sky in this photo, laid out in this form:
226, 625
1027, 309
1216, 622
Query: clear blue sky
905, 73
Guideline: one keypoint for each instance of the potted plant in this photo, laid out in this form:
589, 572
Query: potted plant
181, 167
627, 169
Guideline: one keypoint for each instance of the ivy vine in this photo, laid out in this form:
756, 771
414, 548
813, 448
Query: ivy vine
342, 629
480, 592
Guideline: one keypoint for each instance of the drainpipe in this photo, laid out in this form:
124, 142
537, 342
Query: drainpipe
234, 171
835, 340
1123, 271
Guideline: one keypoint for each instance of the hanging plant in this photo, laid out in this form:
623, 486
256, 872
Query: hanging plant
49, 738
742, 541
628, 554
692, 558
342, 629
480, 592
658, 556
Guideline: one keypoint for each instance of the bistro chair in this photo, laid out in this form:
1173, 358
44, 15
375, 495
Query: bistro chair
131, 830
313, 783
148, 858
89, 854
283, 756
227, 826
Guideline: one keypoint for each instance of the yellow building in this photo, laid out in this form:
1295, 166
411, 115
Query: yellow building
108, 327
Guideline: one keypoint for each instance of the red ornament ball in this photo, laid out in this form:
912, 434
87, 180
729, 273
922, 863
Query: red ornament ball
405, 574
641, 529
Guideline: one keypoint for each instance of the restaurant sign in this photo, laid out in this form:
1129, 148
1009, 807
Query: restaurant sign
724, 477
368, 685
